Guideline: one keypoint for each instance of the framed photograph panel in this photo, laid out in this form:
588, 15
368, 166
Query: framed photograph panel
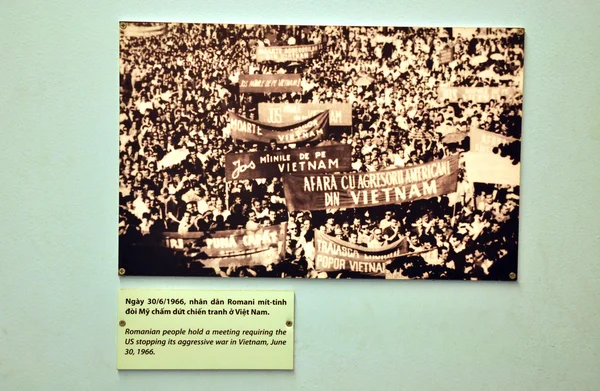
319, 151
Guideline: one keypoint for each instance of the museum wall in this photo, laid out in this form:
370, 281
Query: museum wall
58, 232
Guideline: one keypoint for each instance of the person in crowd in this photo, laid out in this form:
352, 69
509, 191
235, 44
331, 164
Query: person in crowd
377, 241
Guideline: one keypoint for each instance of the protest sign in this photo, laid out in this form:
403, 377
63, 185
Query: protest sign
311, 129
355, 190
484, 141
340, 114
446, 54
271, 83
242, 247
332, 254
286, 53
485, 167
475, 94
269, 164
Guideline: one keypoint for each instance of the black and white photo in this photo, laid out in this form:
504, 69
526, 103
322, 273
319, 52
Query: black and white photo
336, 152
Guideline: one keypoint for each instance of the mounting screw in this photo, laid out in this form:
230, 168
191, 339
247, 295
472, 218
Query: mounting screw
122, 25
122, 323
289, 323
122, 271
512, 275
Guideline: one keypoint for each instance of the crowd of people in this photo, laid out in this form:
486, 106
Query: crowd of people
176, 89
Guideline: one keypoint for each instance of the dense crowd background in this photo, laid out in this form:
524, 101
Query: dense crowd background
176, 89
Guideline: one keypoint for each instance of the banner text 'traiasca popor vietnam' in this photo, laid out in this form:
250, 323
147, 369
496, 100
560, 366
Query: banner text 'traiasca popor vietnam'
332, 254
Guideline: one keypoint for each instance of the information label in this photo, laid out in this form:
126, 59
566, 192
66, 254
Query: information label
181, 329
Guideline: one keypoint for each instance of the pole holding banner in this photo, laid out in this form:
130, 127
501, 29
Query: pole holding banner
227, 193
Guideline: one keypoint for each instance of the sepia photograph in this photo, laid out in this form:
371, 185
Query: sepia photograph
325, 152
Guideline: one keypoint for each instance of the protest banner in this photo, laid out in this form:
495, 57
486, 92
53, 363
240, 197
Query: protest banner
484, 141
357, 190
242, 247
286, 53
269, 164
135, 30
340, 114
332, 254
314, 128
475, 94
271, 83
